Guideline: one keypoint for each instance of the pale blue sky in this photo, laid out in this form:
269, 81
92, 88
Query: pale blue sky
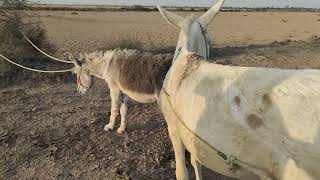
201, 3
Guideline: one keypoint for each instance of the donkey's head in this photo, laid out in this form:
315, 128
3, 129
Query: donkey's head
193, 36
84, 78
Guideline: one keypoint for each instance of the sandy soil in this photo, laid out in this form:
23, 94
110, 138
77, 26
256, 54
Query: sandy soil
74, 32
48, 131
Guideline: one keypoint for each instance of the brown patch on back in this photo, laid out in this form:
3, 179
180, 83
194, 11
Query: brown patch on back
193, 63
237, 100
254, 121
142, 72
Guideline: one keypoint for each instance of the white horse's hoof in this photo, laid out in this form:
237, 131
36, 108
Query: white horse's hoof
121, 130
107, 128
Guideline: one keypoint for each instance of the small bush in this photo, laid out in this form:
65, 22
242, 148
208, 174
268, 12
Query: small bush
132, 43
284, 20
74, 13
13, 45
315, 38
125, 43
140, 8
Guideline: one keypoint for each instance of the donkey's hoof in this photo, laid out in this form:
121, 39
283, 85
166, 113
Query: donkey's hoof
121, 130
107, 128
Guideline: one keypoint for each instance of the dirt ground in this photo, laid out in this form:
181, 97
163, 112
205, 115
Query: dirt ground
89, 30
48, 131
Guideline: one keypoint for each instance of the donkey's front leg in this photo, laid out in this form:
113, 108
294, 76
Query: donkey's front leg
179, 151
115, 104
123, 114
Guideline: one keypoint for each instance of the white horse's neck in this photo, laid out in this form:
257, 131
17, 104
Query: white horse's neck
193, 38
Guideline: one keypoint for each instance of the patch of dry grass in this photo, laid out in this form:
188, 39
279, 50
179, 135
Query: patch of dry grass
125, 43
13, 45
133, 43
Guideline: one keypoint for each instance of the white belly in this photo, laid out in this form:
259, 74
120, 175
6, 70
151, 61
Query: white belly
140, 97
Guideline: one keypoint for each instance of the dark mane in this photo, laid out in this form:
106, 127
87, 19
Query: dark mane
193, 63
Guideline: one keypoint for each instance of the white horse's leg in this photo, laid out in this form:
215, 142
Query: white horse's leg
115, 104
123, 114
179, 151
197, 168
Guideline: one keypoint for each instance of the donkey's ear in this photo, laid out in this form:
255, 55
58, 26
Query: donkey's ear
170, 17
74, 60
207, 18
71, 57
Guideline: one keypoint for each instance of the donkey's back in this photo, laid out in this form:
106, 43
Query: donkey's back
140, 75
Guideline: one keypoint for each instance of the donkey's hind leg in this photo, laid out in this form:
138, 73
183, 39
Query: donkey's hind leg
116, 99
123, 114
197, 167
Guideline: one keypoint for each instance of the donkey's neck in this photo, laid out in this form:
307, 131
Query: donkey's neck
98, 62
193, 38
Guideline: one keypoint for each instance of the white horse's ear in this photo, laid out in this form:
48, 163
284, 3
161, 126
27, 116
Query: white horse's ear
170, 17
211, 13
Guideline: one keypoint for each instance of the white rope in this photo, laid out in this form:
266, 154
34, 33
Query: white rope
35, 70
44, 52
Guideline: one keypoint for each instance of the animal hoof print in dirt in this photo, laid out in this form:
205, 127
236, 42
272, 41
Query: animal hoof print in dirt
107, 128
120, 130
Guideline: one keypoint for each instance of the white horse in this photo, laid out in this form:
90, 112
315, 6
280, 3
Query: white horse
129, 73
243, 122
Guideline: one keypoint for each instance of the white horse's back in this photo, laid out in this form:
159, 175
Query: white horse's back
261, 116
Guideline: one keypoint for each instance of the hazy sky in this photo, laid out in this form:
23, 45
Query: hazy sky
202, 3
